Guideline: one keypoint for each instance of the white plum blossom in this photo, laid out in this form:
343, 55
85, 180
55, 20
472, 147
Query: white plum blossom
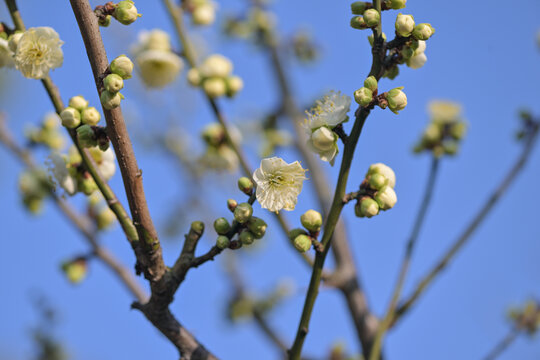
419, 58
321, 119
105, 161
158, 68
38, 51
6, 55
278, 183
57, 166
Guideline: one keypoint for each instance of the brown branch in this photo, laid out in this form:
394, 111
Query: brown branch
503, 344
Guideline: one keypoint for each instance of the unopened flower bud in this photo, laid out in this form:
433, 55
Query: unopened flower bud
363, 96
90, 116
86, 184
458, 130
392, 73
71, 117
311, 220
110, 100
372, 17
78, 102
432, 134
104, 21
246, 237
222, 242
105, 218
386, 198
243, 212
232, 204
295, 232
245, 185
194, 77
216, 65
198, 227
450, 147
384, 170
302, 243
222, 226
357, 22
215, 87
417, 61
257, 227
122, 66
396, 4
113, 83
125, 12
75, 270
404, 25
407, 52
423, 31
86, 136
234, 85
377, 181
371, 83
358, 7
323, 138
204, 14
397, 100
366, 207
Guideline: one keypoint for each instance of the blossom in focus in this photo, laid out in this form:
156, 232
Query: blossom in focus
38, 51
278, 183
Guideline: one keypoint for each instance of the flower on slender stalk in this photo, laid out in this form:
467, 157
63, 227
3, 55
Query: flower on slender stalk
278, 184
38, 51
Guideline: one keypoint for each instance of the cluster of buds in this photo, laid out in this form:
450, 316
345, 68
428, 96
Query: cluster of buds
376, 191
406, 27
47, 133
119, 70
526, 318
366, 16
76, 269
124, 12
445, 130
258, 24
84, 119
203, 12
367, 96
214, 75
303, 239
157, 63
34, 186
98, 210
219, 155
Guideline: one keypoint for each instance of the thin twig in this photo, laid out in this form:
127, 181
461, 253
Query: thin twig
503, 344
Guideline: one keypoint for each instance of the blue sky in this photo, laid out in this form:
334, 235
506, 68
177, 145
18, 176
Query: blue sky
482, 55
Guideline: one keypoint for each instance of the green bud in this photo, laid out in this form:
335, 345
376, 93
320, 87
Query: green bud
384, 170
105, 218
232, 204
392, 73
113, 83
245, 185
110, 100
432, 134
194, 77
213, 134
222, 226
125, 12
243, 212
90, 116
377, 181
363, 96
386, 198
78, 102
86, 184
105, 21
372, 17
71, 117
423, 31
358, 7
323, 139
458, 130
357, 22
407, 52
295, 232
397, 100
404, 25
215, 87
450, 147
75, 270
122, 66
311, 220
302, 243
367, 207
86, 136
246, 237
371, 38
371, 83
257, 227
198, 227
438, 151
234, 85
396, 4
222, 242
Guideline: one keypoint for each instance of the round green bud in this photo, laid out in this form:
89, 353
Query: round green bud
234, 85
363, 96
368, 207
215, 87
396, 4
357, 22
384, 170
71, 117
302, 243
232, 204
122, 66
245, 185
246, 237
323, 139
392, 73
397, 100
432, 134
311, 220
90, 116
407, 52
372, 17
86, 136
423, 31
213, 134
222, 242
243, 212
105, 21
110, 100
458, 130
377, 181
404, 25
113, 83
257, 227
198, 227
222, 226
126, 12
194, 77
450, 147
371, 83
75, 270
386, 198
358, 7
295, 232
86, 184
105, 218
78, 102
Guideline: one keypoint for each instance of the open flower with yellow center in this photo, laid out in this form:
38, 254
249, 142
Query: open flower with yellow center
38, 51
278, 183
